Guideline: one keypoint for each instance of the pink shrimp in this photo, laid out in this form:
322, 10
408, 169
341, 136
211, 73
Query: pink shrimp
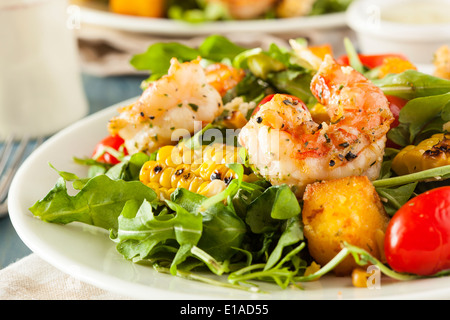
286, 146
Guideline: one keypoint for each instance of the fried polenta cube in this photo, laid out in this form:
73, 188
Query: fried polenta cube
343, 210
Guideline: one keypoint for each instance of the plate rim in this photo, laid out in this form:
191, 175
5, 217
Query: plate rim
135, 289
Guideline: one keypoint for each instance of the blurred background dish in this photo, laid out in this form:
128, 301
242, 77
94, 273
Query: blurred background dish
415, 28
110, 32
212, 16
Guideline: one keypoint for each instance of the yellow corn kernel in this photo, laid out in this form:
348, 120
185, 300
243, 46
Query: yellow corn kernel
181, 173
169, 155
197, 184
206, 170
151, 173
430, 153
212, 188
359, 278
166, 177
207, 175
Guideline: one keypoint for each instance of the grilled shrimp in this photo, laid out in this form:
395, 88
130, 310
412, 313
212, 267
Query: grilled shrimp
169, 108
286, 146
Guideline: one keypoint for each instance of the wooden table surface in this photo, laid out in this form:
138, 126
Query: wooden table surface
101, 93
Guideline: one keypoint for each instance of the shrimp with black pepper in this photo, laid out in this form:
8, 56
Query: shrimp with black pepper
178, 104
286, 146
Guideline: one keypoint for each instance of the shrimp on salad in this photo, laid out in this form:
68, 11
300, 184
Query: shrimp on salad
286, 146
172, 105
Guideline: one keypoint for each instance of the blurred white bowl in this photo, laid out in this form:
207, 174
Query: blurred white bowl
412, 27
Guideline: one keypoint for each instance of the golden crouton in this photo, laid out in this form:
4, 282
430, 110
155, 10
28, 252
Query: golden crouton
343, 210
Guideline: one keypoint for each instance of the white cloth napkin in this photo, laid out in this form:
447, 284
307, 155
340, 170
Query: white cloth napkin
32, 278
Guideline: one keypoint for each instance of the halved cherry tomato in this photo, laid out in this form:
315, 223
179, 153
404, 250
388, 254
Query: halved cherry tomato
114, 142
270, 97
418, 236
395, 104
370, 61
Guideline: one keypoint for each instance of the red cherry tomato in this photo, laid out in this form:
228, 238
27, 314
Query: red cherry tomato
370, 61
418, 236
395, 104
114, 142
270, 97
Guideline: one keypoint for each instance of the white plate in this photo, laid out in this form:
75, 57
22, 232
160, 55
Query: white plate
89, 255
101, 17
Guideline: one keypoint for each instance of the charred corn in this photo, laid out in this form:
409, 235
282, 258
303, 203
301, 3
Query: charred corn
430, 153
202, 170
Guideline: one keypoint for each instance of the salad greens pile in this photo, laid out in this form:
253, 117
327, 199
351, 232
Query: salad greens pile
200, 11
250, 231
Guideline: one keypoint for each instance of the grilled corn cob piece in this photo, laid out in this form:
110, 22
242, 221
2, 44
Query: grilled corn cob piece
202, 170
430, 153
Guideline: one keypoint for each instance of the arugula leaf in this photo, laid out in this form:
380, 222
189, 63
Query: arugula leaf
292, 234
140, 231
280, 274
418, 112
157, 58
434, 173
98, 203
395, 198
296, 83
252, 89
229, 192
353, 57
223, 230
424, 116
219, 48
412, 84
261, 65
275, 204
129, 168
211, 133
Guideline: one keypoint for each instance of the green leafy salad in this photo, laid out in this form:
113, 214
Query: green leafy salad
201, 11
251, 231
